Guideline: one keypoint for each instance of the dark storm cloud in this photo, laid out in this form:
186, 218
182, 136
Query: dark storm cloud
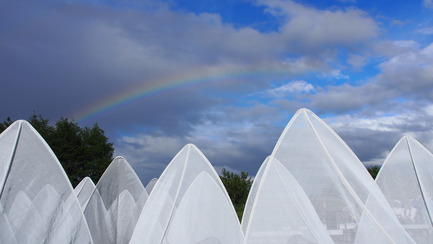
57, 58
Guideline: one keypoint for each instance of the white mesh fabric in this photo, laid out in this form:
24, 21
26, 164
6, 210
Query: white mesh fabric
252, 196
155, 219
406, 180
335, 181
99, 221
7, 234
111, 206
36, 197
136, 213
150, 185
281, 212
84, 191
8, 142
203, 214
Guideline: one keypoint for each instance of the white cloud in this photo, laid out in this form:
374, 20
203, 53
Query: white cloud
406, 43
303, 64
357, 61
335, 74
382, 123
427, 3
291, 88
426, 31
409, 74
310, 28
405, 75
372, 135
142, 147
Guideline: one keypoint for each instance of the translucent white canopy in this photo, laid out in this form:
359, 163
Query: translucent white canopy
336, 183
281, 212
151, 184
84, 191
406, 179
118, 197
37, 202
189, 204
252, 196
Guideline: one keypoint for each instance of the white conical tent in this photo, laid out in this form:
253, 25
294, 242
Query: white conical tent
406, 179
336, 182
252, 196
150, 185
281, 212
37, 202
84, 191
119, 194
188, 204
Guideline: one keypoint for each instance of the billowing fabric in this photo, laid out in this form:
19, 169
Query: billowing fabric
37, 201
112, 210
189, 204
84, 191
406, 179
281, 212
336, 183
150, 185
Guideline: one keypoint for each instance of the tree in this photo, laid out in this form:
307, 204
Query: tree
81, 151
5, 124
41, 125
96, 150
373, 170
238, 188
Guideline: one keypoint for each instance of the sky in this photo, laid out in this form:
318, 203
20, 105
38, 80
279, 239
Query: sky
224, 75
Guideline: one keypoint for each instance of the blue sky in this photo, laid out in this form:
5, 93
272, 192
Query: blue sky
238, 71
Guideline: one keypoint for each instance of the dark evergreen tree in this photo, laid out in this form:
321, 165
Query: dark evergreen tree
238, 188
81, 151
373, 170
5, 124
67, 144
41, 125
96, 150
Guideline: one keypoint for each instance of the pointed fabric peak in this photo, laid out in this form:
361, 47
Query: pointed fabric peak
119, 194
150, 185
406, 179
282, 212
189, 204
252, 195
84, 191
33, 178
119, 176
335, 181
8, 143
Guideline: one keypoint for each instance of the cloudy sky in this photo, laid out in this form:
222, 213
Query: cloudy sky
224, 75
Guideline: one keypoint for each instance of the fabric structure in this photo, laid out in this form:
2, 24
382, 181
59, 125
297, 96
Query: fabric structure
336, 183
281, 212
252, 196
189, 204
84, 191
311, 189
406, 179
37, 201
112, 210
150, 185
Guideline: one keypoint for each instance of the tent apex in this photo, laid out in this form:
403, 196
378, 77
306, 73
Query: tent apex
303, 110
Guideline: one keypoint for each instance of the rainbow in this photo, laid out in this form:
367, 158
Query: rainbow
157, 87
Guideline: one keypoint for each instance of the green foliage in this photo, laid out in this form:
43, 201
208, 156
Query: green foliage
81, 151
373, 170
238, 187
5, 124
